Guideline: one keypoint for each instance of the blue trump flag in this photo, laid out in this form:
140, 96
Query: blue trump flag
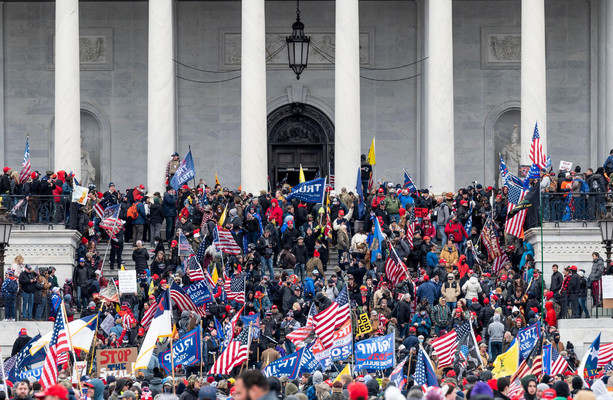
254, 321
186, 351
185, 172
408, 183
360, 192
377, 241
293, 365
375, 353
589, 364
24, 358
219, 329
546, 359
397, 376
309, 191
199, 293
528, 337
308, 362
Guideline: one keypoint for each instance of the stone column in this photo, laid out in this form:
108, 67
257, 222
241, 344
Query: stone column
67, 130
533, 76
438, 141
347, 94
254, 140
161, 93
608, 78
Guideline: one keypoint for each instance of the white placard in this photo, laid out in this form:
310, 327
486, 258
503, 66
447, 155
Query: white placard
607, 286
127, 281
107, 324
565, 165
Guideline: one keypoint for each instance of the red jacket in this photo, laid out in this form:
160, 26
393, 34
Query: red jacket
457, 230
274, 213
551, 318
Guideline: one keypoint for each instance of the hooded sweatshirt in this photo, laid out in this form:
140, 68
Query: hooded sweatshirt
472, 288
98, 389
496, 329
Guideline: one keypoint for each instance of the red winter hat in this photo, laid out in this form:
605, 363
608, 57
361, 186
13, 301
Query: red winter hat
33, 175
58, 391
357, 390
84, 240
402, 211
493, 384
486, 301
210, 379
475, 300
90, 224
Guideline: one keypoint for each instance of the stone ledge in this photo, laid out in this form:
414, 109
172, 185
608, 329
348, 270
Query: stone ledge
10, 333
582, 332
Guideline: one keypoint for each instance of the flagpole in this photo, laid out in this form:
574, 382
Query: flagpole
69, 338
189, 146
201, 330
542, 256
5, 388
95, 341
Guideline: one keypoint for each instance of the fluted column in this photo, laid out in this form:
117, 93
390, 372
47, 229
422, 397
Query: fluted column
254, 143
439, 167
161, 93
347, 94
533, 76
67, 130
608, 77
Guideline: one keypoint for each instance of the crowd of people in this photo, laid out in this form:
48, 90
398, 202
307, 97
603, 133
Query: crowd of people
296, 254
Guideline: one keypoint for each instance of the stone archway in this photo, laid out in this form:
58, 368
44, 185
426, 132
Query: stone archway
299, 134
493, 131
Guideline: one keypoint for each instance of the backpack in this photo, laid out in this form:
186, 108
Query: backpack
553, 184
596, 187
132, 212
584, 187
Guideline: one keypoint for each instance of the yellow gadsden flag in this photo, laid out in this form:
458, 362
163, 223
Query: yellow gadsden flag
371, 159
506, 363
222, 219
301, 175
345, 371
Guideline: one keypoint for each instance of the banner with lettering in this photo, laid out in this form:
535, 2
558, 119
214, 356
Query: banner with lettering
363, 326
186, 351
309, 191
199, 293
527, 338
340, 349
293, 365
116, 362
375, 354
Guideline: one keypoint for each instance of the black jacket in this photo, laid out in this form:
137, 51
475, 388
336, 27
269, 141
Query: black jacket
19, 344
155, 214
556, 282
24, 282
140, 257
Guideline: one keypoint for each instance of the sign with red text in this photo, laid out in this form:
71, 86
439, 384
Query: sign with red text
116, 362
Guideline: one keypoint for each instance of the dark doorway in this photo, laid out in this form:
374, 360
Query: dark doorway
299, 134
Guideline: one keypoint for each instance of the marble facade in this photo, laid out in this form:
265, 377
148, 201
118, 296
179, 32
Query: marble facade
114, 85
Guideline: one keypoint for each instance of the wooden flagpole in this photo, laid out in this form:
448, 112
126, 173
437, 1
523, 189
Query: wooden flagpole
91, 362
172, 362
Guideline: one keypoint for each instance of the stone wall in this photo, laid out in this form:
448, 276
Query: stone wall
114, 82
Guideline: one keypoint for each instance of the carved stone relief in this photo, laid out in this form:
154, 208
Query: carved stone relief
500, 48
95, 49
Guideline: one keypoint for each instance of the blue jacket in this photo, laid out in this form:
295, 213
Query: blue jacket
169, 205
607, 161
528, 250
432, 259
404, 200
422, 329
309, 285
427, 290
142, 215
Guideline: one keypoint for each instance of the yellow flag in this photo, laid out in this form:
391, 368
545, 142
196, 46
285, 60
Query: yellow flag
364, 325
371, 159
217, 180
301, 175
215, 275
506, 363
345, 371
222, 219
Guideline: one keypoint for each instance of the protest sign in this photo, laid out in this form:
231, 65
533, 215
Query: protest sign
127, 281
80, 369
565, 166
116, 362
79, 195
107, 324
421, 212
376, 353
364, 325
309, 191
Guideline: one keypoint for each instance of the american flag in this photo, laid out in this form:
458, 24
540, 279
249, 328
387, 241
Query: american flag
424, 371
411, 227
489, 238
395, 270
558, 364
183, 301
331, 318
515, 389
499, 262
328, 228
447, 345
106, 203
112, 226
301, 334
605, 354
236, 289
224, 241
59, 345
149, 314
515, 225
26, 168
371, 182
533, 364
537, 155
194, 270
234, 355
201, 251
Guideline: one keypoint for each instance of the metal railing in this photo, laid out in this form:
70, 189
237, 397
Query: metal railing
37, 209
565, 207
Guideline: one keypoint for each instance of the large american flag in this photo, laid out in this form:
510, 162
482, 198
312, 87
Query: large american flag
112, 226
411, 227
236, 288
425, 376
183, 301
446, 346
515, 225
149, 314
395, 270
533, 364
605, 354
234, 355
559, 365
224, 241
194, 270
499, 263
26, 168
537, 155
332, 318
105, 204
59, 345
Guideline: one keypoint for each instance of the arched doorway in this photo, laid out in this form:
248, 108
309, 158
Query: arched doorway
299, 134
